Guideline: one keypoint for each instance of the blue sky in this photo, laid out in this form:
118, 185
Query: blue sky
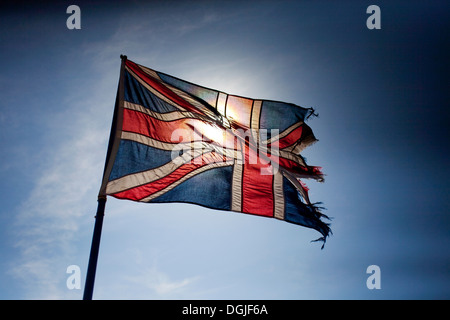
383, 130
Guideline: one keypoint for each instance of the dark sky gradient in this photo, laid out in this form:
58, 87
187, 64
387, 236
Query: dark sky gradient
383, 102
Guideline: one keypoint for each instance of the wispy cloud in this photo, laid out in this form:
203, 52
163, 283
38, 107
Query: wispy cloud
161, 285
51, 219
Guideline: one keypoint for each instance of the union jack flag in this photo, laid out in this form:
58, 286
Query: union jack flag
175, 141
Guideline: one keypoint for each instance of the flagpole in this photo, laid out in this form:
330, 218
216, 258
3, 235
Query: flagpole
112, 149
93, 257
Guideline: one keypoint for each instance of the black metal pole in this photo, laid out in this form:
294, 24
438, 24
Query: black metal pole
113, 145
92, 266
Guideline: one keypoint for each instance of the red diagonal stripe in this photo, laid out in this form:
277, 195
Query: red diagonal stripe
138, 122
289, 139
157, 85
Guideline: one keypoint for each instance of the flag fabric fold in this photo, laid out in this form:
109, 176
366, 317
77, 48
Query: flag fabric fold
176, 141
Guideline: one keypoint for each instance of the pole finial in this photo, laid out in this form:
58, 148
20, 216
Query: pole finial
123, 57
